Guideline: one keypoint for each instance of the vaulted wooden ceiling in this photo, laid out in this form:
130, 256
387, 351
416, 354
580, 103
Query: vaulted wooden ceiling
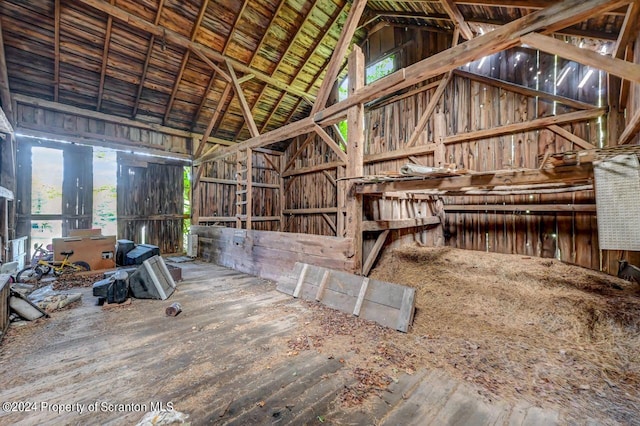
172, 61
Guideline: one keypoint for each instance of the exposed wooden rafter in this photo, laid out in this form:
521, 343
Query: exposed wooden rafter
632, 129
184, 42
56, 50
105, 55
387, 15
335, 64
5, 93
194, 119
523, 90
624, 69
244, 106
145, 67
310, 52
212, 122
282, 58
185, 60
228, 42
456, 16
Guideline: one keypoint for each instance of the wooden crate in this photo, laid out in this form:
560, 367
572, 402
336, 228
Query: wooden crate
97, 251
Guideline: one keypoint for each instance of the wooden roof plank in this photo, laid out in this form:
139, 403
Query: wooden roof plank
5, 93
145, 67
357, 8
56, 51
185, 59
105, 55
311, 51
184, 42
284, 55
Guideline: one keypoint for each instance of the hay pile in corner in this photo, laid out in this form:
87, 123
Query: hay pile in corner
525, 326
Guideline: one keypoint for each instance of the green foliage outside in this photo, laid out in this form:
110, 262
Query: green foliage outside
372, 73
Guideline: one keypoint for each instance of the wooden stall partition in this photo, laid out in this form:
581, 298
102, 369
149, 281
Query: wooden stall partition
269, 254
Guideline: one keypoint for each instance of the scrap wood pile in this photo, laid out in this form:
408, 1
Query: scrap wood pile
521, 326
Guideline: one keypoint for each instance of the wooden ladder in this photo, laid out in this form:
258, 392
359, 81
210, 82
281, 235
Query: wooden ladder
244, 165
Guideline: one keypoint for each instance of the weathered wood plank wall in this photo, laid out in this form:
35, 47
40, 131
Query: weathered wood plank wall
48, 123
215, 194
150, 197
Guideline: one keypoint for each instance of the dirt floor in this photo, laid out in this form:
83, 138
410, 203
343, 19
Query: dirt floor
524, 327
497, 339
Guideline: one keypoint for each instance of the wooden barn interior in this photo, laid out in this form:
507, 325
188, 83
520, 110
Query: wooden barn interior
404, 141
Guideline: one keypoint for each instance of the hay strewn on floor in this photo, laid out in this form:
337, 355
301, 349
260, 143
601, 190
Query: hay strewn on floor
524, 326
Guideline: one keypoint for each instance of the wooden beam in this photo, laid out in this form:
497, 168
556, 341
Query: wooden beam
456, 16
526, 126
339, 52
212, 122
431, 106
313, 169
330, 143
194, 119
181, 41
105, 55
400, 153
200, 54
176, 85
523, 90
145, 67
373, 254
578, 174
567, 12
572, 31
54, 106
330, 222
355, 154
56, 50
632, 129
5, 93
570, 137
623, 69
628, 31
521, 208
246, 111
527, 4
379, 225
320, 210
299, 151
331, 178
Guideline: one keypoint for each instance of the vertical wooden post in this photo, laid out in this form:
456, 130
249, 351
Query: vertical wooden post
341, 191
281, 192
355, 156
249, 187
615, 116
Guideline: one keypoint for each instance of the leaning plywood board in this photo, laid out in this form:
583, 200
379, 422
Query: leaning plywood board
388, 304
